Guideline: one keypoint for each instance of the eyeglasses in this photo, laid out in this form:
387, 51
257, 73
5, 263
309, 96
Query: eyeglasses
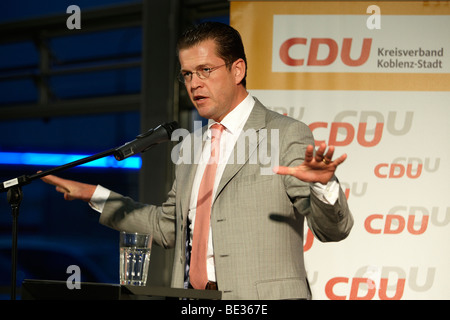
202, 73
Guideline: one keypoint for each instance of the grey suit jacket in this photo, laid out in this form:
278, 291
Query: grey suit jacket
256, 219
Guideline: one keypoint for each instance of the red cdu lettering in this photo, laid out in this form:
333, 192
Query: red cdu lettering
346, 133
355, 289
309, 240
378, 172
284, 51
418, 171
330, 286
346, 48
316, 125
314, 49
376, 137
330, 45
368, 223
395, 224
397, 171
382, 293
350, 134
394, 173
388, 227
347, 193
423, 224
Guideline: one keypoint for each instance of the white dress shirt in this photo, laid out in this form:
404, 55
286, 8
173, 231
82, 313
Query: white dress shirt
233, 123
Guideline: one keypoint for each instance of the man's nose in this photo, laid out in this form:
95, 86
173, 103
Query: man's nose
196, 81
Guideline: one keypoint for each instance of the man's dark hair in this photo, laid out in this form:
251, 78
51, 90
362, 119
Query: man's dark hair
228, 42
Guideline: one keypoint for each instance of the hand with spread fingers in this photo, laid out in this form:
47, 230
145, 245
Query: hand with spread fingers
318, 167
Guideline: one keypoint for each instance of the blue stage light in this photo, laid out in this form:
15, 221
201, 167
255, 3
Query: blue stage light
55, 159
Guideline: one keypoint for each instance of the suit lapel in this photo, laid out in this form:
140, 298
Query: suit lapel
256, 121
186, 173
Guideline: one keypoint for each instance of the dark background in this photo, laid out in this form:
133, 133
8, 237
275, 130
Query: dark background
82, 92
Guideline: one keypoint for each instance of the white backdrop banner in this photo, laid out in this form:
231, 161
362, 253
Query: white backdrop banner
372, 79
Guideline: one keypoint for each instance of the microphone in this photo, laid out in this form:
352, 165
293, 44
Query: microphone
145, 141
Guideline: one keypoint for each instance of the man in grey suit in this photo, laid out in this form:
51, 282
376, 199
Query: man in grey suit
255, 242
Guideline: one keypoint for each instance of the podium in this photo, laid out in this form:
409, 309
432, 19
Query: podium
58, 290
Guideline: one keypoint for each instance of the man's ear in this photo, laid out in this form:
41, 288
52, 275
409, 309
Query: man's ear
239, 70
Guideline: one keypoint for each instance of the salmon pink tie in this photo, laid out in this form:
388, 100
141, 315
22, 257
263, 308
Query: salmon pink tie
198, 274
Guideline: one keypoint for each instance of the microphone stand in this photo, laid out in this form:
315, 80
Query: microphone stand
14, 186
15, 196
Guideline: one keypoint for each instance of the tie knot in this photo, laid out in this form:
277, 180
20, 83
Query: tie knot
216, 130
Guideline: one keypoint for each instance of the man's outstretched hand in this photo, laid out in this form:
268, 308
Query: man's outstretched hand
316, 168
71, 189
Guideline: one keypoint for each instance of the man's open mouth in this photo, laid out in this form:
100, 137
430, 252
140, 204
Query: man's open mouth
199, 98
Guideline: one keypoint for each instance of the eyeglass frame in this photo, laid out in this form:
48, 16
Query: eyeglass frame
200, 72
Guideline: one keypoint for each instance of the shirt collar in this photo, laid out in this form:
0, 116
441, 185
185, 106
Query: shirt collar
235, 120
